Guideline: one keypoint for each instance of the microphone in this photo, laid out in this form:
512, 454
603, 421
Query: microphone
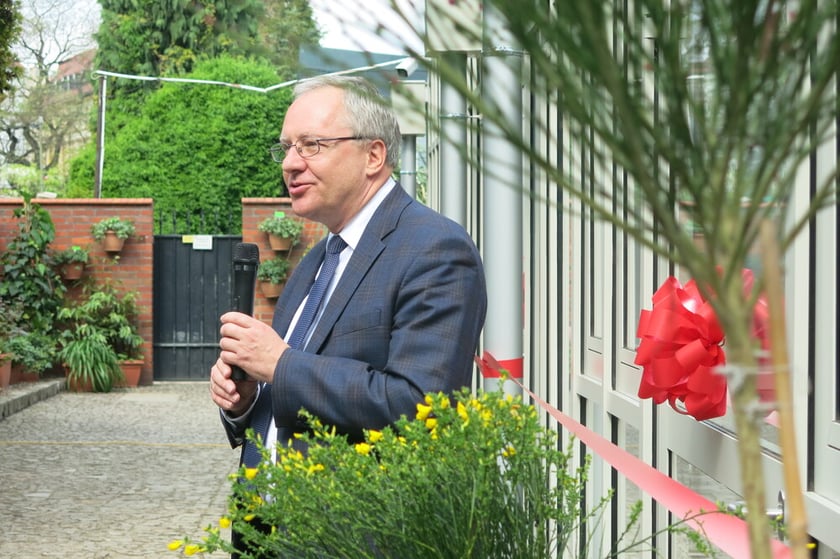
246, 260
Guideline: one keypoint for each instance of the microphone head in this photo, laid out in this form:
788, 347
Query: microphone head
246, 252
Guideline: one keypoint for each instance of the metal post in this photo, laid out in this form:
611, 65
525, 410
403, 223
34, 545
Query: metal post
453, 142
408, 164
100, 138
502, 176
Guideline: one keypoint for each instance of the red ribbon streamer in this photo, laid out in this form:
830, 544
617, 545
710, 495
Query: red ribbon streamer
726, 531
491, 368
681, 349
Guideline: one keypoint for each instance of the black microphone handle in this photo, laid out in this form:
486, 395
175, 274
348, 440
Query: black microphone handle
245, 263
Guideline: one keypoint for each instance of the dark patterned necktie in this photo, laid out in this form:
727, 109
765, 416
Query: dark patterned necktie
261, 414
316, 293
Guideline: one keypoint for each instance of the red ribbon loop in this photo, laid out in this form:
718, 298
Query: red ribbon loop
681, 348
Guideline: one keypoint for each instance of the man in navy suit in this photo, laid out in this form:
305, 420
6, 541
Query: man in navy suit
403, 312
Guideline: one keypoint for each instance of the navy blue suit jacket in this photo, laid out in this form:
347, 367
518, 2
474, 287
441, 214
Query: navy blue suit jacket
403, 320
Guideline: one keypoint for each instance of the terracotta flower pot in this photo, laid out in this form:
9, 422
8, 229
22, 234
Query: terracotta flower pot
19, 374
5, 371
76, 385
271, 290
112, 243
72, 270
279, 243
131, 370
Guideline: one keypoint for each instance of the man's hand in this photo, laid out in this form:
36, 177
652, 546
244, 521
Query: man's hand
251, 345
231, 396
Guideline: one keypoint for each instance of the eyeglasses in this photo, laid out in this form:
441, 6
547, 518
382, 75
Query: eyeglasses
306, 147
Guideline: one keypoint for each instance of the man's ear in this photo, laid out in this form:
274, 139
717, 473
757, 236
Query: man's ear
376, 156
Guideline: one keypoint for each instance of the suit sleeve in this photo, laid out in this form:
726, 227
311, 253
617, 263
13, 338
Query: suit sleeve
412, 327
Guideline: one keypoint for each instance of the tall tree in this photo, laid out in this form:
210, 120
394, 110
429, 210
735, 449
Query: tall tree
197, 149
9, 29
154, 37
287, 26
158, 38
42, 116
236, 41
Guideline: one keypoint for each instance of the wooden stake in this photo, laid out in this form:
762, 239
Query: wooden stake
796, 517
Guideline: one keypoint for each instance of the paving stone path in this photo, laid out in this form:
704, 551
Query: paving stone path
95, 476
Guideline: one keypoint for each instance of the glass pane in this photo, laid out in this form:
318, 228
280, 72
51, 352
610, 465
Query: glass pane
629, 498
697, 480
696, 56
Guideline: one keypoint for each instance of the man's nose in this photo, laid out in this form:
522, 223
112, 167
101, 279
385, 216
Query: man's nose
293, 160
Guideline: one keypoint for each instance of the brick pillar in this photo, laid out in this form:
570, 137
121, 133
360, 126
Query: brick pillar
254, 210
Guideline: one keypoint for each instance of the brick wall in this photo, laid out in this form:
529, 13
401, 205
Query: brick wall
254, 210
133, 269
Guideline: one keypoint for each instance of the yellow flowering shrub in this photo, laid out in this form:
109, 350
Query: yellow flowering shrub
470, 476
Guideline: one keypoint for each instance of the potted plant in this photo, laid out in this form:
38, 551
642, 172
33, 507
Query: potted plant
99, 333
283, 231
272, 275
71, 262
32, 286
9, 316
112, 232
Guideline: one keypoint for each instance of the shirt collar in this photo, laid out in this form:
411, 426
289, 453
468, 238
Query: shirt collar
352, 232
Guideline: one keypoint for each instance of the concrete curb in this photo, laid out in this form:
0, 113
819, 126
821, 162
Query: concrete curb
20, 396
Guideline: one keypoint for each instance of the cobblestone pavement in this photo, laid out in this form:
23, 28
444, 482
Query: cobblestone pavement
95, 476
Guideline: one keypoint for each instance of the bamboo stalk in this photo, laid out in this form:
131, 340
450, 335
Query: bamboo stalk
749, 447
795, 515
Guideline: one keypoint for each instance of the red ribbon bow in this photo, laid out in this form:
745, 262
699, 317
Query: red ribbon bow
681, 348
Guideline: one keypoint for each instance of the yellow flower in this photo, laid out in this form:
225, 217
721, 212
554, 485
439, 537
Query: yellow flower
431, 423
250, 473
249, 517
175, 544
191, 549
224, 522
508, 452
315, 468
462, 411
363, 448
375, 436
429, 399
423, 411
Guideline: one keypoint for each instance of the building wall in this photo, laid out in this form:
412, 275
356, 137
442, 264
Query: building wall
585, 283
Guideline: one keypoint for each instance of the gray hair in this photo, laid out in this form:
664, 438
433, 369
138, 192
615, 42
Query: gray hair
368, 113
